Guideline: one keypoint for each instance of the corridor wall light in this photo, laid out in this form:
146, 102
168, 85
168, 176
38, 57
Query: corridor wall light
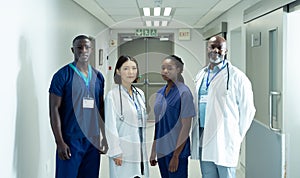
163, 39
127, 39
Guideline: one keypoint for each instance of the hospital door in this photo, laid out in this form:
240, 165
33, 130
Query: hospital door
149, 53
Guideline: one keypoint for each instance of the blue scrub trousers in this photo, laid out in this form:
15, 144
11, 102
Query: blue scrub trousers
182, 171
84, 162
211, 170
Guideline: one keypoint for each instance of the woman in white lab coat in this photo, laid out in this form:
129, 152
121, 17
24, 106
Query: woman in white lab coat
220, 127
125, 121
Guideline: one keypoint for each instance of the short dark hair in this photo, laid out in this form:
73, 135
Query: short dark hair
122, 59
80, 37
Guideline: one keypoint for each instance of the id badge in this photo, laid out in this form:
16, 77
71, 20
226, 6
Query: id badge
203, 99
88, 102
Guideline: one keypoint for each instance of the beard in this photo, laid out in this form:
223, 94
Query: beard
215, 58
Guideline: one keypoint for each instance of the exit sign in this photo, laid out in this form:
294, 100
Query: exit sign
146, 32
184, 34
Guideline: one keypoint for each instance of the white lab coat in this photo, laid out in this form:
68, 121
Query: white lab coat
228, 117
123, 135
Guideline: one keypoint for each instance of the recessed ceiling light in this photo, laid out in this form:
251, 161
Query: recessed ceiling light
156, 23
148, 23
167, 11
156, 11
164, 23
146, 11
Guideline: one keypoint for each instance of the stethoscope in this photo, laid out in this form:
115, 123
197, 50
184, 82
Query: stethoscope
227, 83
121, 103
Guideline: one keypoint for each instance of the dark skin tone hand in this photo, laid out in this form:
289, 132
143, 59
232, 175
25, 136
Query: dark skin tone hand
170, 74
81, 50
63, 149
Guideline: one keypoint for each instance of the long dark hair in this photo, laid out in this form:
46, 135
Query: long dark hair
122, 59
179, 64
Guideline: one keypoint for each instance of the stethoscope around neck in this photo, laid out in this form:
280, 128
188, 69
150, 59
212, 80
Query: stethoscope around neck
121, 103
227, 68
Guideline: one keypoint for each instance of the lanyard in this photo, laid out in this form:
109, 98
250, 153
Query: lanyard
209, 81
121, 103
85, 79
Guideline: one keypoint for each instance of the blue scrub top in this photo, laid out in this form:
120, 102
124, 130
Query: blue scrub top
169, 110
76, 121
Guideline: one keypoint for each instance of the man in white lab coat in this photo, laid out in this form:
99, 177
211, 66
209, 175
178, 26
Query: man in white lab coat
225, 111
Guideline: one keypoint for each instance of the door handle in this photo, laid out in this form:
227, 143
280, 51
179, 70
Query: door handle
272, 93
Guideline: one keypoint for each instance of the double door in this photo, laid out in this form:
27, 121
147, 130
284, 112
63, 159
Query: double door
149, 53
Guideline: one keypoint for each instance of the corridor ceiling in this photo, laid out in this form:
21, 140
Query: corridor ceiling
128, 13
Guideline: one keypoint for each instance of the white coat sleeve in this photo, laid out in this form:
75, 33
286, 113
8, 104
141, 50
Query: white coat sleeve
246, 105
111, 130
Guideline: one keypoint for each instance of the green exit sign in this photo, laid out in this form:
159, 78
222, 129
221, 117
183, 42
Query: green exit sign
146, 32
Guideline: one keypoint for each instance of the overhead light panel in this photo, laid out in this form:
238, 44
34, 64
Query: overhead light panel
156, 11
148, 23
164, 23
167, 11
156, 23
146, 11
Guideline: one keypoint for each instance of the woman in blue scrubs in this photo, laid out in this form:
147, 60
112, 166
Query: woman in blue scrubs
173, 111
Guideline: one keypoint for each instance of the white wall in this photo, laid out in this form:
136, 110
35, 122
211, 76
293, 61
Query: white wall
36, 41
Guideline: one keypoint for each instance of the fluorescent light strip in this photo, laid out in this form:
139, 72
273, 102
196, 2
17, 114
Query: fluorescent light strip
156, 23
156, 11
167, 11
146, 11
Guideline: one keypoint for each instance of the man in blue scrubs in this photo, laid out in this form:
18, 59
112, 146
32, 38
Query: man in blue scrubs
76, 114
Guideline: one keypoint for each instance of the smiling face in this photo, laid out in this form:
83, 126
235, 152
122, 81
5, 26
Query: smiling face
169, 70
128, 72
216, 49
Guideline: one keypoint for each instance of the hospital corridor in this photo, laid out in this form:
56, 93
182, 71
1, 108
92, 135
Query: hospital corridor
259, 53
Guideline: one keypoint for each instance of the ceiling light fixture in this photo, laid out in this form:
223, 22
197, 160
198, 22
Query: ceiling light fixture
156, 11
164, 23
156, 23
167, 11
148, 23
146, 11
